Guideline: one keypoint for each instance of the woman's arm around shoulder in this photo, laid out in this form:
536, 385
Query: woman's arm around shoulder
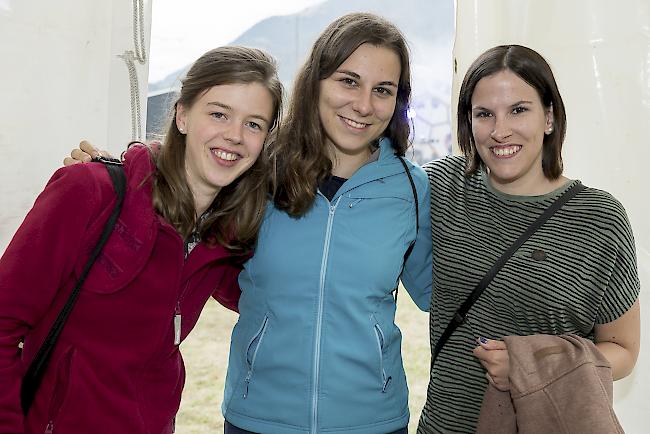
417, 276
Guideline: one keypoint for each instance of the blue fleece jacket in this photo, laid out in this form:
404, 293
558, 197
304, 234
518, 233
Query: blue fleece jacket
316, 348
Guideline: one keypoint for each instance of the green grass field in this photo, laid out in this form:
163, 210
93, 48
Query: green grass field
206, 357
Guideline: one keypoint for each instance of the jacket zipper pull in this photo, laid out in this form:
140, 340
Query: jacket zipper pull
50, 427
383, 389
177, 324
247, 381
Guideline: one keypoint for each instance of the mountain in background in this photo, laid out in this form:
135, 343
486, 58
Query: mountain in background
427, 25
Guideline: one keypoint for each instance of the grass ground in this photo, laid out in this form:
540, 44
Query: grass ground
206, 357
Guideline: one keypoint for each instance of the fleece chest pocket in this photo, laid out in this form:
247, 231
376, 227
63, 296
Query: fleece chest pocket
379, 192
384, 215
120, 261
392, 205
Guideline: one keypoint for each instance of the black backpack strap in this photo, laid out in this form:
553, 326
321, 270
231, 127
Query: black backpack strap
417, 212
461, 313
38, 366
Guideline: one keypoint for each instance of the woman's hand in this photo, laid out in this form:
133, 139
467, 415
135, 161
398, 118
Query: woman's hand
84, 154
493, 355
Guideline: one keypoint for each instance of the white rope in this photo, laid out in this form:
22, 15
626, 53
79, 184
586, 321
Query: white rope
138, 24
130, 57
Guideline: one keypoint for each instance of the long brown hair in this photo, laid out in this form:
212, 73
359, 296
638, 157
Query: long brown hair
531, 67
234, 217
299, 156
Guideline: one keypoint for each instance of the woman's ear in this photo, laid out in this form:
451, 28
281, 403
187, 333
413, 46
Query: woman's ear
549, 120
181, 115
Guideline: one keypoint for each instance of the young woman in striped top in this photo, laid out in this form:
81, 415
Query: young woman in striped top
577, 274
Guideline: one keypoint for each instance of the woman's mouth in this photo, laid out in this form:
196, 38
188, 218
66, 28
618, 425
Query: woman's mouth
225, 157
354, 124
228, 156
505, 151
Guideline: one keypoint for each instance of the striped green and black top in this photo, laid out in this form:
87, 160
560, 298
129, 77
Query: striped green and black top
583, 273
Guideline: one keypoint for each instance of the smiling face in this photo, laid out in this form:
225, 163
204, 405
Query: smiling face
224, 129
357, 101
508, 125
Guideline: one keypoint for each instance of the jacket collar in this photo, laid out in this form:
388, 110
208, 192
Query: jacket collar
128, 249
387, 164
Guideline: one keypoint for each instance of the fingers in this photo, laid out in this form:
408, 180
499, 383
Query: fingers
86, 147
484, 350
491, 352
80, 155
480, 353
502, 384
69, 161
491, 344
493, 355
496, 368
85, 153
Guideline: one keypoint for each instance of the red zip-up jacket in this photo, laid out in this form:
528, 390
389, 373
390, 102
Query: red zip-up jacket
115, 368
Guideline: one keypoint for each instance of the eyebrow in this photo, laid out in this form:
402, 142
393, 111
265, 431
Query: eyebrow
358, 77
227, 107
478, 107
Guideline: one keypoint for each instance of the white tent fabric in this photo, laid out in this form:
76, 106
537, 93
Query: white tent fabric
63, 80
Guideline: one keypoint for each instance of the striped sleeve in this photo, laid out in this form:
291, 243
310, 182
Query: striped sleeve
623, 286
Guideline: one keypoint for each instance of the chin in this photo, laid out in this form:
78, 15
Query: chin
221, 182
353, 148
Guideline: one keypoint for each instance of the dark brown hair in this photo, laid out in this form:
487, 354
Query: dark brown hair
299, 156
531, 67
235, 215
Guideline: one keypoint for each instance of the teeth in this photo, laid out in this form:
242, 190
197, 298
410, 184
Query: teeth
503, 152
226, 155
354, 124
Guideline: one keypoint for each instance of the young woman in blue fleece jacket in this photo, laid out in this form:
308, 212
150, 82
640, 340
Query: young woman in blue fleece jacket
316, 348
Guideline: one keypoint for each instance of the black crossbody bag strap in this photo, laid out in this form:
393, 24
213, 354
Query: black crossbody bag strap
461, 313
417, 213
34, 375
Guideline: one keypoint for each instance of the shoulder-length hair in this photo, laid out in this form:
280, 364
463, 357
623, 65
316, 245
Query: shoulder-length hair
234, 217
531, 67
299, 156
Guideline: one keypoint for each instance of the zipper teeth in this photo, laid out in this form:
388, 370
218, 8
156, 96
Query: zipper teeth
178, 314
319, 319
181, 296
380, 346
259, 336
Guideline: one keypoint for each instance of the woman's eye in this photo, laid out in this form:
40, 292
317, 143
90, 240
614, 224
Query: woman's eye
254, 125
348, 81
519, 109
384, 91
481, 114
218, 115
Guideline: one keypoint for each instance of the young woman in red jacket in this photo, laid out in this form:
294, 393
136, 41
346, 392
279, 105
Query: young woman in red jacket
189, 217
